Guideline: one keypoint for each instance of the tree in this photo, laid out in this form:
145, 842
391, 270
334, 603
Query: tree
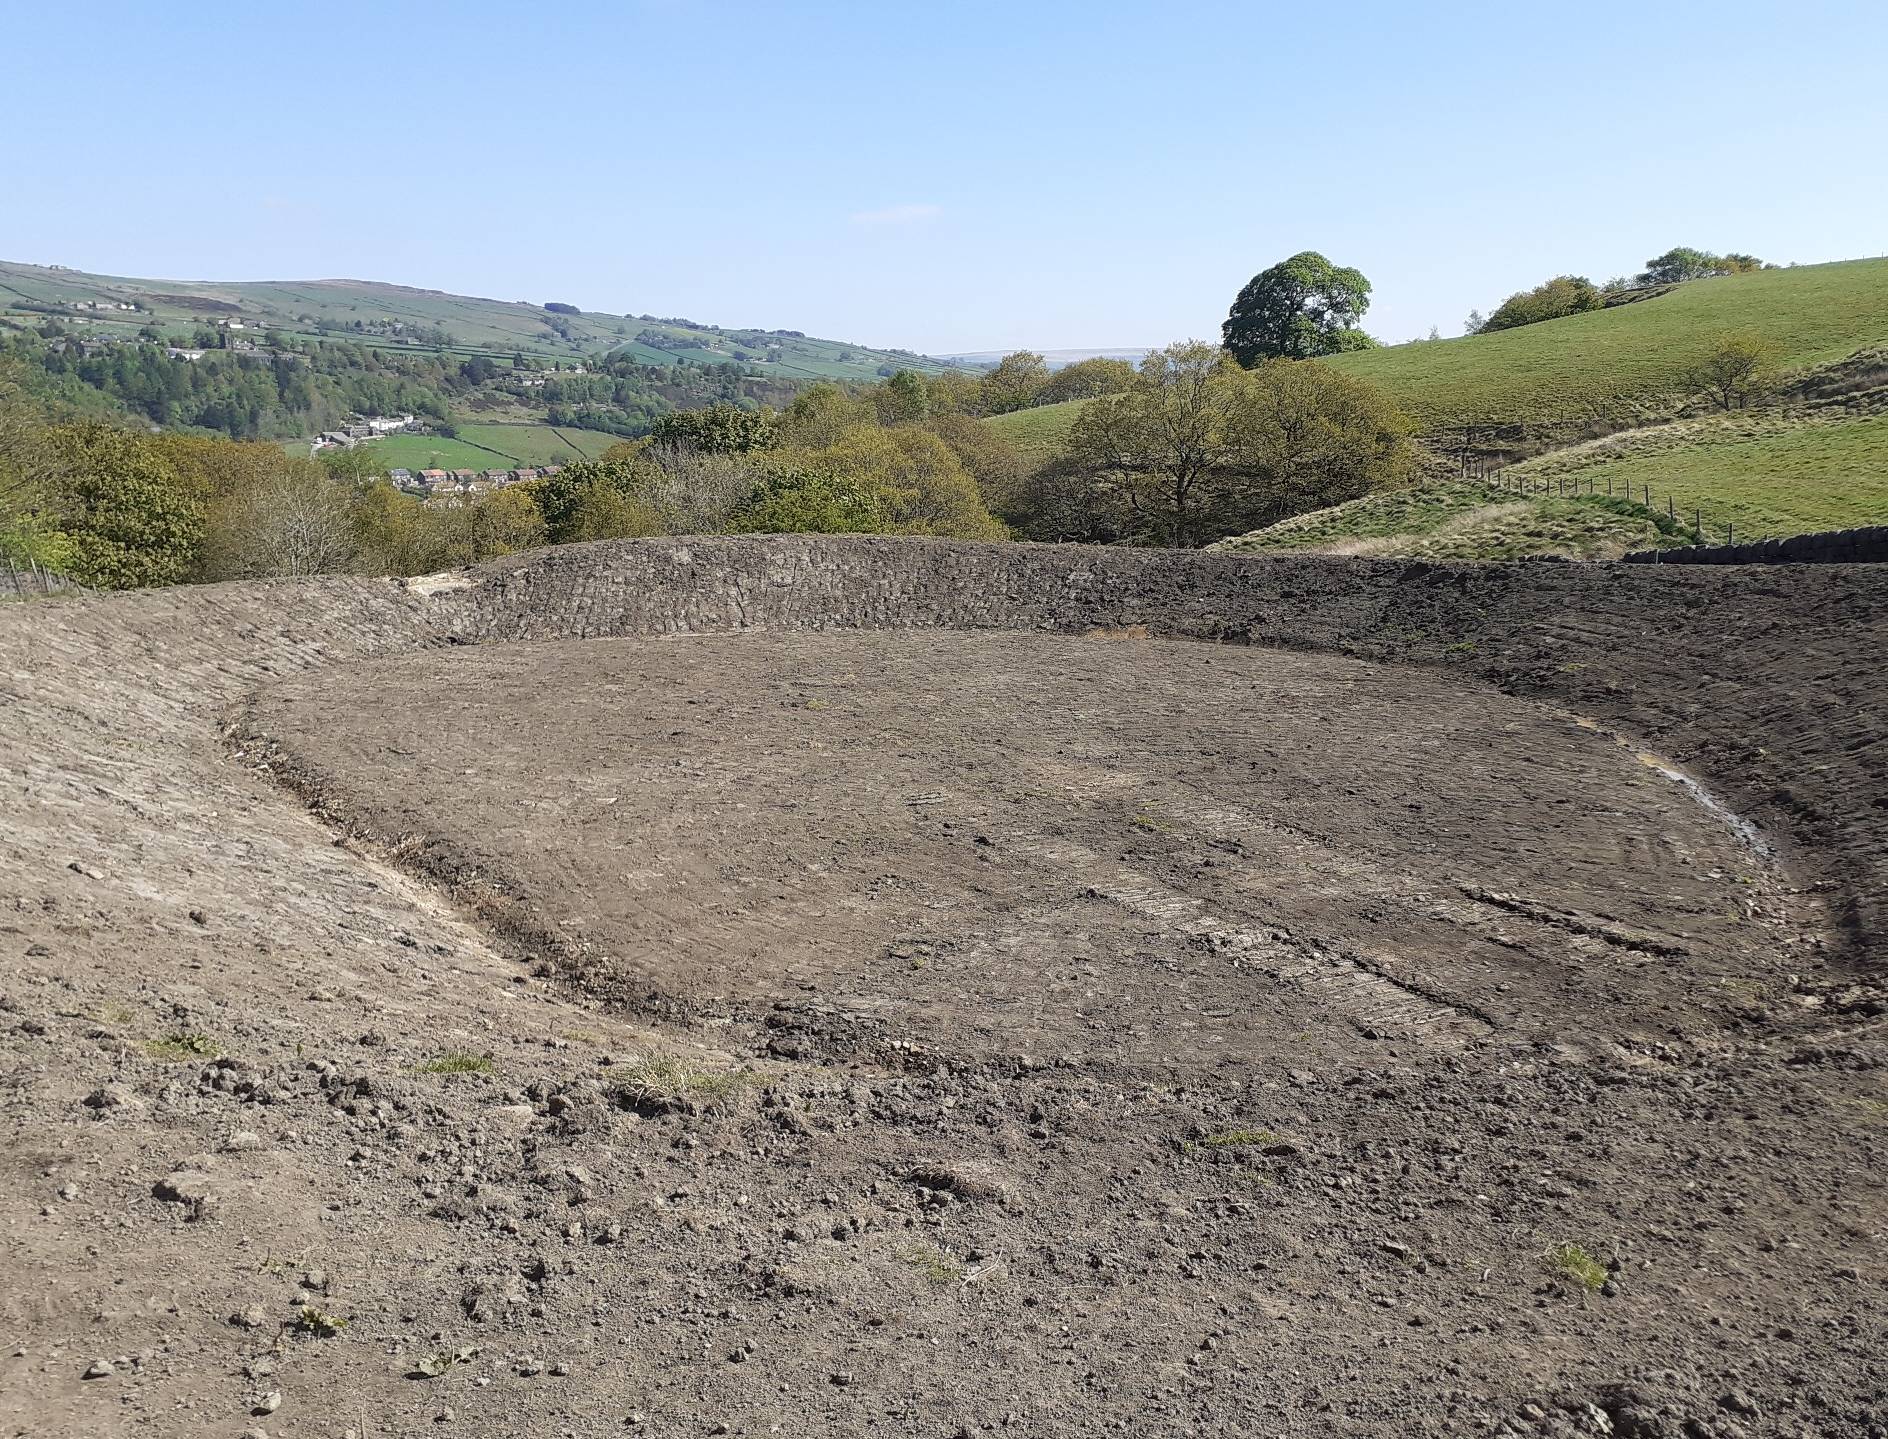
296, 521
595, 500
1306, 436
28, 480
128, 519
903, 397
1015, 382
1682, 263
954, 392
1734, 372
1550, 300
395, 534
914, 480
1300, 308
820, 414
695, 492
1200, 447
991, 460
720, 429
809, 502
1165, 437
1087, 380
353, 464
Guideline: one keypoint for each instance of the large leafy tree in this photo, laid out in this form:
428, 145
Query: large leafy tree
1015, 382
1163, 440
720, 429
1300, 308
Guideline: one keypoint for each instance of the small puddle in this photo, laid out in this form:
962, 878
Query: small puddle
1746, 830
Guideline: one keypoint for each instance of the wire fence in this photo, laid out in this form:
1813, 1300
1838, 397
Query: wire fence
1492, 467
33, 582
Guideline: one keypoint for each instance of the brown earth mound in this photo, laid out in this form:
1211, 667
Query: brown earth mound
905, 1031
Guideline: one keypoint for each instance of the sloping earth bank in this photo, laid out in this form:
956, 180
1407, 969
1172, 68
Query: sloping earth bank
1336, 1199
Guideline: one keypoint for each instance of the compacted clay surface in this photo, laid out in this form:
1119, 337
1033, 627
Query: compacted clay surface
509, 1006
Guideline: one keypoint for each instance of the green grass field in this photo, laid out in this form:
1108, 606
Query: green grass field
1463, 520
540, 444
1625, 362
1762, 475
485, 447
1038, 435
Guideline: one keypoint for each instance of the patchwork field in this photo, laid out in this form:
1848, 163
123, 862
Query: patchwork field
540, 444
485, 447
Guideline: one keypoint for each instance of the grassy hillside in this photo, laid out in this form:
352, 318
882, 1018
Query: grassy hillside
396, 315
1615, 365
1039, 434
1464, 521
1626, 361
1763, 474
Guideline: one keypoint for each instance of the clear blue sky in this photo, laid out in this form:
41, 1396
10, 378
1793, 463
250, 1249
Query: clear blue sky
946, 176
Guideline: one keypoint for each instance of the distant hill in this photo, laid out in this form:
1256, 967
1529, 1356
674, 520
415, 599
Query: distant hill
398, 316
1055, 359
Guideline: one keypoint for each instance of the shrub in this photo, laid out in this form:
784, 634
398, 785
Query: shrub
1735, 371
1551, 300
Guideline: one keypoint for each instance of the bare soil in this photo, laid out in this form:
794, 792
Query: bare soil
910, 1032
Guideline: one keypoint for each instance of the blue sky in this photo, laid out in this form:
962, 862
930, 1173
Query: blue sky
944, 176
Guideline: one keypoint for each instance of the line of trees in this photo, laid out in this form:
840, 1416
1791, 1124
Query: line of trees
1575, 294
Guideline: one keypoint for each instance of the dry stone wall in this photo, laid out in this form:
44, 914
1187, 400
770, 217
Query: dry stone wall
1866, 546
